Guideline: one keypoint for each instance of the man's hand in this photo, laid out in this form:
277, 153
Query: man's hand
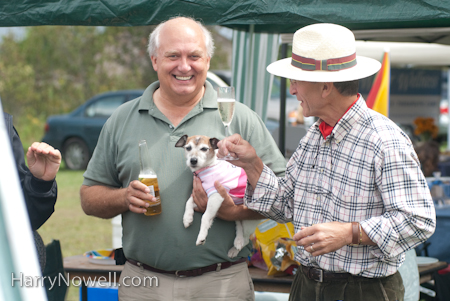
246, 154
43, 161
228, 208
238, 148
324, 238
228, 211
136, 195
199, 195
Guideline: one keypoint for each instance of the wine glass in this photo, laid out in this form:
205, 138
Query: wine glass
226, 100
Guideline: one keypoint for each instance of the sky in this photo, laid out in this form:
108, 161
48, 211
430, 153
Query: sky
18, 31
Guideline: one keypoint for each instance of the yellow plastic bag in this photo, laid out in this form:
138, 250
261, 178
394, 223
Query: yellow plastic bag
277, 247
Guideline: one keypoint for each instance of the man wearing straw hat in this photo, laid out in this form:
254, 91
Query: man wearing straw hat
353, 188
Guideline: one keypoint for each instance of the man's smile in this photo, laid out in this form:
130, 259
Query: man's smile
183, 77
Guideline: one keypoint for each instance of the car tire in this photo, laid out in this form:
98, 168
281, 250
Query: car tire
76, 154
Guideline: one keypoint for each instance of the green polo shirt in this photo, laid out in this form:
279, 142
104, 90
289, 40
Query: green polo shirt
162, 241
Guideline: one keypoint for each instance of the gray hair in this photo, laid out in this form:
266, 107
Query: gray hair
153, 43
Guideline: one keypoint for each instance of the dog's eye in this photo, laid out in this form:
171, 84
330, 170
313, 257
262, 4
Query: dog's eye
204, 149
188, 148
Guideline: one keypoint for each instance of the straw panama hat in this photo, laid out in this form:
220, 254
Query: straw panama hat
324, 53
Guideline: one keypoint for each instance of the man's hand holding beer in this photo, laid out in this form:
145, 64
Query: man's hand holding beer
138, 197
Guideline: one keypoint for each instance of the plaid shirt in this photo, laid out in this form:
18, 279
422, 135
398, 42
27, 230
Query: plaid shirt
365, 171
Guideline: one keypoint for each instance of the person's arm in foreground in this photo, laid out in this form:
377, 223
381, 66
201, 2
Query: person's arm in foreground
38, 184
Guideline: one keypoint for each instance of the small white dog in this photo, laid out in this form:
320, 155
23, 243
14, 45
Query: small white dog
201, 158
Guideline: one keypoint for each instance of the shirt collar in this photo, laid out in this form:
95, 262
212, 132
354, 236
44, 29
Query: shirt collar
350, 118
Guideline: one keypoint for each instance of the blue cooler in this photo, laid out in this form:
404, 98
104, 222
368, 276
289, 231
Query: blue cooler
102, 292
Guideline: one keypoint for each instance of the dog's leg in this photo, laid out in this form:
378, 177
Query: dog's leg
188, 216
239, 242
214, 203
243, 231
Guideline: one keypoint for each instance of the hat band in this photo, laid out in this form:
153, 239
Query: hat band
309, 64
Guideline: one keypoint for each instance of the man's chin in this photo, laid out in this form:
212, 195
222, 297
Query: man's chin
185, 90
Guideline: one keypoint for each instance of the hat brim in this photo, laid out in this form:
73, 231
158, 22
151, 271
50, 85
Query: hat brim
365, 67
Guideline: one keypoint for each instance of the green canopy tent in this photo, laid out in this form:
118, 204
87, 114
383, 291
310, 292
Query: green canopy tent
281, 16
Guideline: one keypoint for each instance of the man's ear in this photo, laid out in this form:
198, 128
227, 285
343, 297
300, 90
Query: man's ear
326, 89
155, 66
208, 64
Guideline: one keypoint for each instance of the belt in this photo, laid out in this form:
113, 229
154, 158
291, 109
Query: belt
190, 273
320, 275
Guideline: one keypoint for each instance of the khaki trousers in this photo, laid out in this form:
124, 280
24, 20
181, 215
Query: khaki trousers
233, 283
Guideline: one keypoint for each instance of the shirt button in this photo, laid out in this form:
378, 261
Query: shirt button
171, 126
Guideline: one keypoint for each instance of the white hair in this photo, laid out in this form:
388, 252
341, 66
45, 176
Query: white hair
153, 43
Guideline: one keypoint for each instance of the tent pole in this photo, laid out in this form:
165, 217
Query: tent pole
282, 124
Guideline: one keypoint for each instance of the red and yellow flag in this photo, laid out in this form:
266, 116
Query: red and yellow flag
378, 98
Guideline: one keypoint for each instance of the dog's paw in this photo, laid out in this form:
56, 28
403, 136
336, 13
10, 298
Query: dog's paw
233, 252
187, 220
239, 242
201, 238
200, 242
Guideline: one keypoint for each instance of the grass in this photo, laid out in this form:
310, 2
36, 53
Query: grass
76, 231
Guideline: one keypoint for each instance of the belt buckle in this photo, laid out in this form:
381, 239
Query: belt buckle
178, 275
314, 278
320, 275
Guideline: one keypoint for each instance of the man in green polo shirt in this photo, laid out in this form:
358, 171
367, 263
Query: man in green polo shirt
181, 102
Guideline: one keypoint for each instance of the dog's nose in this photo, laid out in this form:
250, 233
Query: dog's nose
194, 161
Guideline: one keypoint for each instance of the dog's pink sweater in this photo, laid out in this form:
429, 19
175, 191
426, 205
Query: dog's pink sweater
232, 178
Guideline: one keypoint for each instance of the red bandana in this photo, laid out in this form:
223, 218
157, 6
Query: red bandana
326, 129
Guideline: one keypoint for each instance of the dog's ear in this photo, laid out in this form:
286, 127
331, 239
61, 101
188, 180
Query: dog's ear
213, 142
182, 141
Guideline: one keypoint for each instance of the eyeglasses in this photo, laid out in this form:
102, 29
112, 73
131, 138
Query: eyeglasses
293, 81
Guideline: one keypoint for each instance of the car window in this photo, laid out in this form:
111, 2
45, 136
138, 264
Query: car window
214, 84
104, 107
134, 96
215, 80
